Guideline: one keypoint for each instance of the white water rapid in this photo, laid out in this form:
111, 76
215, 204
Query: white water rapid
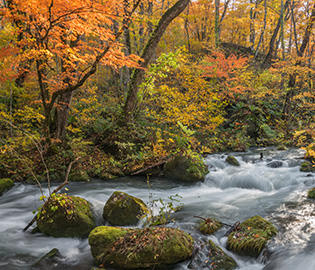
228, 193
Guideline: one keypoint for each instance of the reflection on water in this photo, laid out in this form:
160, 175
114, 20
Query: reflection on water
228, 193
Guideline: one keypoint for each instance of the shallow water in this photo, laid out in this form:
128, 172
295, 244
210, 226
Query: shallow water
229, 193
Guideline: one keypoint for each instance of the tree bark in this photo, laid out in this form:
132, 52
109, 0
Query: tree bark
292, 78
267, 62
147, 56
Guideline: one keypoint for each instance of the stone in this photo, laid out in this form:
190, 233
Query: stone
307, 166
122, 209
311, 193
66, 216
232, 161
252, 236
186, 169
139, 248
48, 259
5, 185
275, 164
209, 226
211, 256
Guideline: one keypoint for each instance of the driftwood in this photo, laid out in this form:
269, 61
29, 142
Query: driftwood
149, 167
208, 220
234, 227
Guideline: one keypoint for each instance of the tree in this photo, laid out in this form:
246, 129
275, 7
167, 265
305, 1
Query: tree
147, 56
63, 43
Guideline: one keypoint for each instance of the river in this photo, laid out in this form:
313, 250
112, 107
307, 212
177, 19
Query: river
228, 193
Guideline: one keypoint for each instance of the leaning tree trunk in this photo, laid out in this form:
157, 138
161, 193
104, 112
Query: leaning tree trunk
147, 56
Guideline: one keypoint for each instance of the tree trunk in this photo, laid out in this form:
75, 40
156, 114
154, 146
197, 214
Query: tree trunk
267, 62
147, 56
292, 79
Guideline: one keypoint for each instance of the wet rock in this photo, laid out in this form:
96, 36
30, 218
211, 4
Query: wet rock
51, 258
122, 209
139, 248
307, 166
275, 164
66, 216
282, 148
209, 226
311, 193
5, 184
251, 237
232, 161
185, 169
212, 256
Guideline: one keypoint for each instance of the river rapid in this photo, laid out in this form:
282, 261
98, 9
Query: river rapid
228, 193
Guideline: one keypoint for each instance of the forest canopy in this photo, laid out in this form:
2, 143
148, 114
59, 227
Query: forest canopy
120, 85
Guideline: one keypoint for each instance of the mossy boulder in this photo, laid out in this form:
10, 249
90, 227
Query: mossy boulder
211, 256
307, 166
5, 184
66, 216
122, 209
252, 236
311, 193
209, 226
139, 248
232, 161
186, 169
48, 260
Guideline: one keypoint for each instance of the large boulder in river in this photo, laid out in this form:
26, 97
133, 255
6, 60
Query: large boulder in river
122, 209
232, 161
251, 236
311, 193
139, 248
184, 168
5, 184
211, 256
66, 216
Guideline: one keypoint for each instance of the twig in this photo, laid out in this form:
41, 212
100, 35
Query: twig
54, 192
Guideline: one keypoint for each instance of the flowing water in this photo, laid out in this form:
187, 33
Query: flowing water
229, 194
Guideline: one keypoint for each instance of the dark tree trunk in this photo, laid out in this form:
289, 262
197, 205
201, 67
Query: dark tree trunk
292, 79
147, 56
268, 60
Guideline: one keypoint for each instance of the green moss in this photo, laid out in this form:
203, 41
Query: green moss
219, 260
253, 235
282, 147
307, 166
122, 209
139, 248
185, 169
311, 193
209, 226
5, 184
232, 160
66, 216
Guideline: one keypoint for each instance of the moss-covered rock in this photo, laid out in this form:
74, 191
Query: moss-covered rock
311, 193
139, 248
184, 168
5, 184
307, 166
209, 226
211, 256
122, 209
232, 161
66, 216
252, 236
282, 147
